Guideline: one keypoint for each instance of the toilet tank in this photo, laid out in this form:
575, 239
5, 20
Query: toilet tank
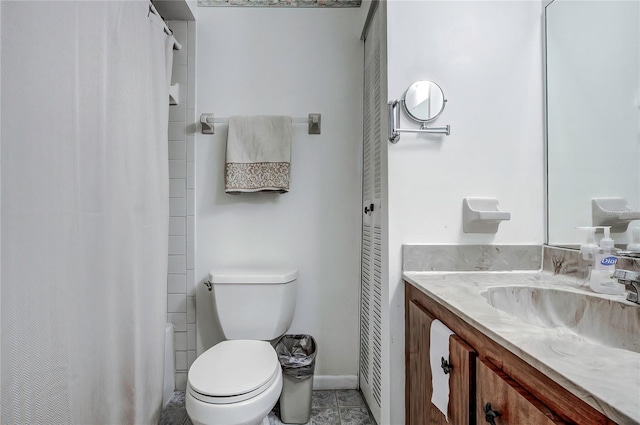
254, 303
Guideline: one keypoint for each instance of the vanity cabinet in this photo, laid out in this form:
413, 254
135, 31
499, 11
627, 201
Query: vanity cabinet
420, 411
497, 394
483, 372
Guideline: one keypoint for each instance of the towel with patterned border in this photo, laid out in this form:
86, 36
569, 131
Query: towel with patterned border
258, 154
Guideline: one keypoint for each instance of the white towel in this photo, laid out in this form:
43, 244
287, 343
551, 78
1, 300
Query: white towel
258, 154
439, 348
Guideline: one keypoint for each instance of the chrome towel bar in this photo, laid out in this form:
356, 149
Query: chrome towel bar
313, 120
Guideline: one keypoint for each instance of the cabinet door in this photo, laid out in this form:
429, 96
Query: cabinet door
420, 411
514, 405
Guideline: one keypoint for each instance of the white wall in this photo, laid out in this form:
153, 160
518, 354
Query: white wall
487, 57
292, 62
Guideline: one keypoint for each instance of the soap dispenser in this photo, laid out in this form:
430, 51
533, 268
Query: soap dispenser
589, 248
601, 278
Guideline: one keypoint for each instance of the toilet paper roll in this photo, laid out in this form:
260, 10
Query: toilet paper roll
439, 348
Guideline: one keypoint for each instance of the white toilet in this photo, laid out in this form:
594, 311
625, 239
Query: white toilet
238, 381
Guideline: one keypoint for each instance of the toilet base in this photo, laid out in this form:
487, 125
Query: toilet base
264, 421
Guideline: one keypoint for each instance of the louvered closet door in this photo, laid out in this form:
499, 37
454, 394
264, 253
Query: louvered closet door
371, 285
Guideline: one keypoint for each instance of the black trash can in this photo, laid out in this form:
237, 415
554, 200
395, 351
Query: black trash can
297, 355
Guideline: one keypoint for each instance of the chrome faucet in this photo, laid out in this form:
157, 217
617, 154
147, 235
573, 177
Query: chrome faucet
631, 281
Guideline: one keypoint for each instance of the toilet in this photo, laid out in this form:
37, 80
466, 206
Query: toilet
239, 380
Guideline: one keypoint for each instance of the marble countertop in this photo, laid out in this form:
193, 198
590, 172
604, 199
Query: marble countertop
606, 378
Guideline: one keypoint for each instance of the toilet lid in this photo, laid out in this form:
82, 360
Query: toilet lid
233, 368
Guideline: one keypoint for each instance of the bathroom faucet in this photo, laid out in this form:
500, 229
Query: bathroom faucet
631, 281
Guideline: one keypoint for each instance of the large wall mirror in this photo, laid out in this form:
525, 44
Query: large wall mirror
593, 112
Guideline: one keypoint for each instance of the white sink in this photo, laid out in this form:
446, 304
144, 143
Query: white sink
609, 320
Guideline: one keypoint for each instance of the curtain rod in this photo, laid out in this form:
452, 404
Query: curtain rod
167, 30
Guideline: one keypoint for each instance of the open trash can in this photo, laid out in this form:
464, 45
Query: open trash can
297, 355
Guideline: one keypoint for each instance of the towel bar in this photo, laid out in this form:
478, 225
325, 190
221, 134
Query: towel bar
313, 120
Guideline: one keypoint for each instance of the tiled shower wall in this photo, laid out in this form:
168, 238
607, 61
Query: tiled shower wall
181, 300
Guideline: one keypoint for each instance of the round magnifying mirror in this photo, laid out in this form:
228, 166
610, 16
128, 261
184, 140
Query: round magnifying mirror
423, 101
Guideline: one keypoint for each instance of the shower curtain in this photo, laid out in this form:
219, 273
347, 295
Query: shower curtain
84, 215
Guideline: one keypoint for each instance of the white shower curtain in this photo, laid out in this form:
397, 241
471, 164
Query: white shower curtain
84, 211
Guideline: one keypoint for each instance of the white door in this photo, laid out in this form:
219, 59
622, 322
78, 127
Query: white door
371, 280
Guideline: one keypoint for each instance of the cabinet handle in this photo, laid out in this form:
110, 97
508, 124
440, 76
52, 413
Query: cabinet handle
490, 415
446, 366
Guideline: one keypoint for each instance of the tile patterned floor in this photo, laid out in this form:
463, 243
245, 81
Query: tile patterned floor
175, 412
328, 407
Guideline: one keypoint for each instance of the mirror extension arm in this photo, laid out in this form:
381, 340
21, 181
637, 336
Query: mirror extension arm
394, 120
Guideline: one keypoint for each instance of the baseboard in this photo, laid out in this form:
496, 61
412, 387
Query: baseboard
333, 382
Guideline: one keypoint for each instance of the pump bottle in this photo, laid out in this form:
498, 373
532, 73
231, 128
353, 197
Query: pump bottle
601, 278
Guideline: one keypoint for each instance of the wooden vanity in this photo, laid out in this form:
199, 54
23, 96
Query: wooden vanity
483, 373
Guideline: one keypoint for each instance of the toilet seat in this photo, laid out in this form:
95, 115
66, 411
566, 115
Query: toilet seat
233, 371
